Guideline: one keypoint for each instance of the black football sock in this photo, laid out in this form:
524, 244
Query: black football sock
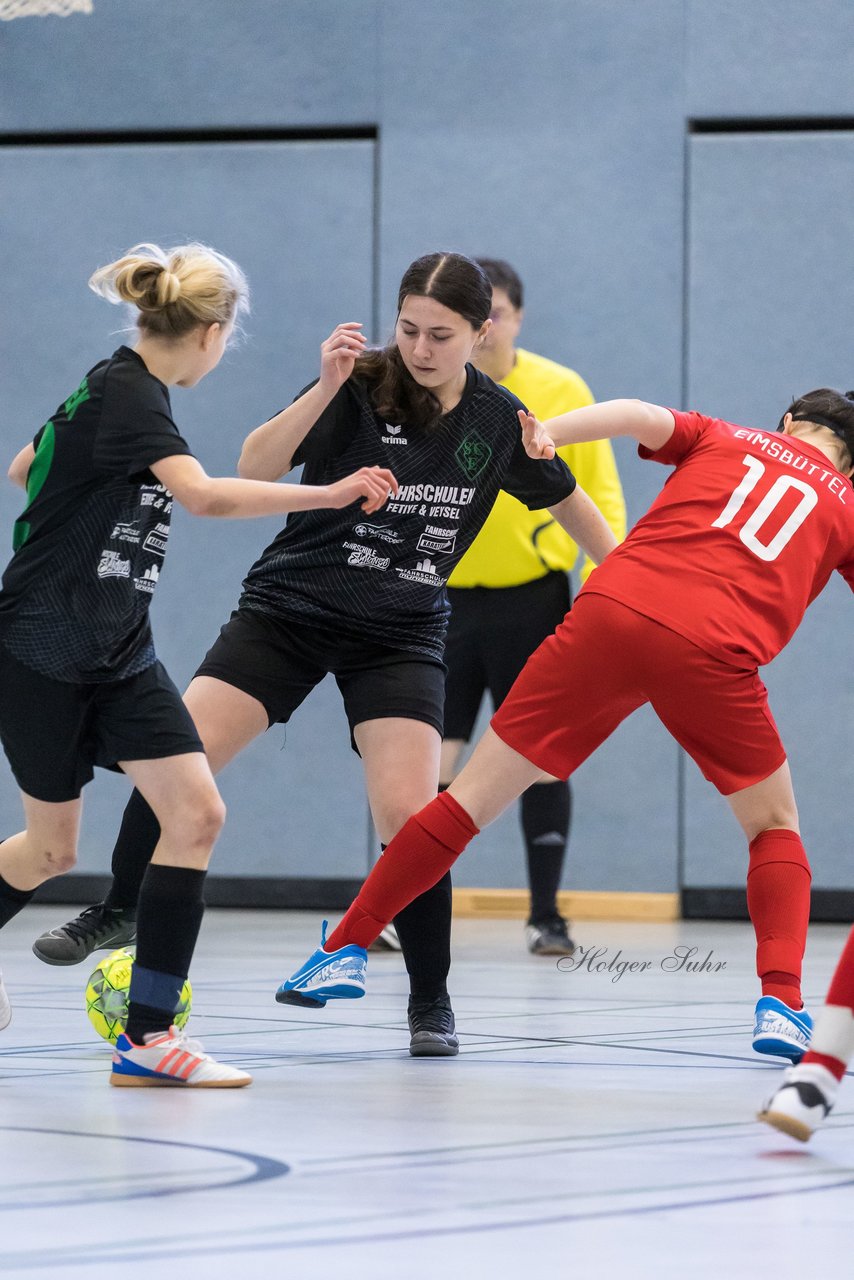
137, 840
12, 901
545, 812
424, 930
168, 921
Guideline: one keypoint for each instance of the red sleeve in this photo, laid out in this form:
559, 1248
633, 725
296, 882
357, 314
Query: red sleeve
688, 430
847, 571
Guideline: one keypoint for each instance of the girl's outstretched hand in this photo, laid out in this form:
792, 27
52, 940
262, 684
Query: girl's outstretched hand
373, 484
538, 443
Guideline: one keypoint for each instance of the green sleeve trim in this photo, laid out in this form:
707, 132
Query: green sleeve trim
36, 476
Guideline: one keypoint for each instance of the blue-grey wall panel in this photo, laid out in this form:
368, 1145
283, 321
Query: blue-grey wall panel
770, 317
191, 63
553, 137
770, 58
299, 219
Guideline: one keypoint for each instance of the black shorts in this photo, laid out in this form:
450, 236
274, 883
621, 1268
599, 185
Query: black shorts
54, 733
492, 634
278, 662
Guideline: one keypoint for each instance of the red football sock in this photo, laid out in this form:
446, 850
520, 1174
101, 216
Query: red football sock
832, 1042
842, 984
833, 1065
419, 855
778, 900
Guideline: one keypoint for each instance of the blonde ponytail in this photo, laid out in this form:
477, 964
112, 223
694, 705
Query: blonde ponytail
175, 291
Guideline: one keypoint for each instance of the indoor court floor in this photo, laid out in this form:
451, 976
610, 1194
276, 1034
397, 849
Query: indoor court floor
597, 1119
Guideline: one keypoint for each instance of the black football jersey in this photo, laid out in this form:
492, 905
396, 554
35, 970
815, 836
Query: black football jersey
383, 576
90, 543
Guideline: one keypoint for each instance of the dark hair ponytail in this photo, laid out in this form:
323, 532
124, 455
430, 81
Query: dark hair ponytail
457, 283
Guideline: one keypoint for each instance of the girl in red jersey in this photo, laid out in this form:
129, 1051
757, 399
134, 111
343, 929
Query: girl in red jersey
711, 583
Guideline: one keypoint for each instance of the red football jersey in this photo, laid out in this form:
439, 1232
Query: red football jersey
744, 535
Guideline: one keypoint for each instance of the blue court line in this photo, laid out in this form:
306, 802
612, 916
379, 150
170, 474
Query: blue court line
262, 1168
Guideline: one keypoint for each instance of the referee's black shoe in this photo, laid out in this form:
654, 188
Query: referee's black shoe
431, 1028
96, 928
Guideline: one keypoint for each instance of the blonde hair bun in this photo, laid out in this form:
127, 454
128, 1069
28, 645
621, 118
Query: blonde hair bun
176, 290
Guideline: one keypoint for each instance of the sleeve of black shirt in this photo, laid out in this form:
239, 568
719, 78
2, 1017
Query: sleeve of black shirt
136, 428
535, 482
335, 427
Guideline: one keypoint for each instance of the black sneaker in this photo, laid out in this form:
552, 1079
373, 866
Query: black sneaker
431, 1028
98, 927
549, 937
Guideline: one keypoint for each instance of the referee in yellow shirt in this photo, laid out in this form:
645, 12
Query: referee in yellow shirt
512, 588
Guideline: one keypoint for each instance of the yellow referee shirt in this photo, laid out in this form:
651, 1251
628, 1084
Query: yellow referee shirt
516, 545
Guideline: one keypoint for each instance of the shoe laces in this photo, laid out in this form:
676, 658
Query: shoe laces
180, 1040
90, 922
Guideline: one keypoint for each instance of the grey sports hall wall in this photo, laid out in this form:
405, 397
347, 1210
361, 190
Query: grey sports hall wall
674, 180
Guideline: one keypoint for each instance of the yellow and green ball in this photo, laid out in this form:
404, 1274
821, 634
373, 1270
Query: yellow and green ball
107, 996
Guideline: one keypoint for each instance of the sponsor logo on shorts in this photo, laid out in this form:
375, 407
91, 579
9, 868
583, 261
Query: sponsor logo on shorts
126, 533
148, 581
439, 541
381, 532
365, 557
425, 571
113, 566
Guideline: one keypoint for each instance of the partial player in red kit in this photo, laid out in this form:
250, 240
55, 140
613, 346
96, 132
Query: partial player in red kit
710, 584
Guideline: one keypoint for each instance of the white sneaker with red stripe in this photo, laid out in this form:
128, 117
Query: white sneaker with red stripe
169, 1058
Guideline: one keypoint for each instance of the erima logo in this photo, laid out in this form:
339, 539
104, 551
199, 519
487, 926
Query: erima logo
394, 436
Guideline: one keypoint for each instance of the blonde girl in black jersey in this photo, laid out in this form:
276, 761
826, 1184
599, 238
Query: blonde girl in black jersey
80, 684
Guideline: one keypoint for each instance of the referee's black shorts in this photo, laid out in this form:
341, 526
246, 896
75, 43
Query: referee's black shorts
278, 662
492, 633
54, 733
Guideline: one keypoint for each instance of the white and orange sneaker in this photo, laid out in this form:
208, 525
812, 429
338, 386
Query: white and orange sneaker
169, 1058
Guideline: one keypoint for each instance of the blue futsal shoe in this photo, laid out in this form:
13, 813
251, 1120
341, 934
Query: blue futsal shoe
781, 1031
326, 975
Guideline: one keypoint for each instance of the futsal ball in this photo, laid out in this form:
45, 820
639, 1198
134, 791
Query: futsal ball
107, 996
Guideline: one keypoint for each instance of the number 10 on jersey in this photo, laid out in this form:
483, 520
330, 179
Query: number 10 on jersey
749, 532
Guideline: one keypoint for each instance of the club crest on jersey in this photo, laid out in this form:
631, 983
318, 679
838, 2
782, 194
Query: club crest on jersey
473, 454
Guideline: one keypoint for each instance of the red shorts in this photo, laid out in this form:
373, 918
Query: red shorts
603, 662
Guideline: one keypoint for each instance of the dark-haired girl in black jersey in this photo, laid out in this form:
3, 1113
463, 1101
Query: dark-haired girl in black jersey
365, 599
80, 684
